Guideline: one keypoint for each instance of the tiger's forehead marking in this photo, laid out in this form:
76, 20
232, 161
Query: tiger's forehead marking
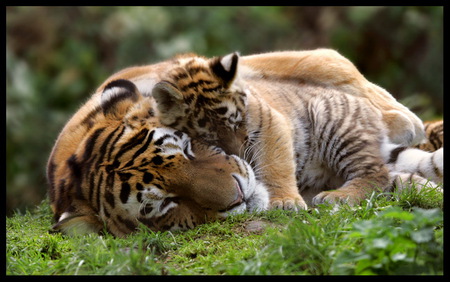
163, 136
172, 141
193, 74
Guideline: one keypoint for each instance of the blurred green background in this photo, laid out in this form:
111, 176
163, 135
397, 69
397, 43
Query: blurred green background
57, 56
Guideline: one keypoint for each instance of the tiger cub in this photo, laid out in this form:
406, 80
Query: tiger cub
309, 143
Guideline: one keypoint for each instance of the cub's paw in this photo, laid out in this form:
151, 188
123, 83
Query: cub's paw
336, 197
288, 203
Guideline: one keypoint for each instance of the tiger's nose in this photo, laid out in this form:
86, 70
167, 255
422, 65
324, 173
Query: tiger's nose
239, 195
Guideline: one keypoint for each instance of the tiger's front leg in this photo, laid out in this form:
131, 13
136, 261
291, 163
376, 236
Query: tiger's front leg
272, 158
277, 171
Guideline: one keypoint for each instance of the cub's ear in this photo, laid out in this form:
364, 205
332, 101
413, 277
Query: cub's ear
169, 100
117, 97
225, 67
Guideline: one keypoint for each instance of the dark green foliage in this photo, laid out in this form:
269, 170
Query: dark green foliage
395, 242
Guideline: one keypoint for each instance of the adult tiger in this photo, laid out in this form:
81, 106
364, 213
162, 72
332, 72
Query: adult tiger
299, 135
115, 166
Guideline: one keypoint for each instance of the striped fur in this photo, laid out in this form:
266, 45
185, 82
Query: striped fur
434, 131
324, 67
115, 167
308, 142
120, 128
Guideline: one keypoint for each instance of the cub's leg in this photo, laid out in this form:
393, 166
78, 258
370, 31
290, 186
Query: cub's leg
364, 172
270, 152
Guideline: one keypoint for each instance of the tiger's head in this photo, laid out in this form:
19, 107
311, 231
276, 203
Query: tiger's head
115, 166
199, 97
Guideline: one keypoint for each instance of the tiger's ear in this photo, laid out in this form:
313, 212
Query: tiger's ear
117, 97
225, 68
169, 100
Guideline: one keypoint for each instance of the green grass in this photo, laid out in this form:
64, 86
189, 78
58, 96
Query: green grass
386, 234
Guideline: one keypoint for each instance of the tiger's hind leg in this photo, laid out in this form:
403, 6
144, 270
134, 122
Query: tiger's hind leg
361, 166
355, 190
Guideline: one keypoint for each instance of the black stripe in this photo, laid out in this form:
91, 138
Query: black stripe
434, 139
76, 172
89, 147
212, 89
98, 191
91, 185
110, 180
87, 121
139, 197
149, 222
111, 148
161, 139
137, 139
329, 117
106, 212
394, 154
125, 192
142, 149
343, 146
131, 225
103, 148
337, 139
51, 178
62, 199
194, 70
109, 197
146, 209
335, 128
121, 83
359, 170
436, 170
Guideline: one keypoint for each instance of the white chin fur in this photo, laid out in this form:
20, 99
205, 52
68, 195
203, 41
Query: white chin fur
259, 200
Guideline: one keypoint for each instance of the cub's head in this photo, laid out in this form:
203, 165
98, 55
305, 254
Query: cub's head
115, 166
199, 98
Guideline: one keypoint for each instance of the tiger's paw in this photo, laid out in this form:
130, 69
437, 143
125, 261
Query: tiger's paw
336, 197
288, 203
